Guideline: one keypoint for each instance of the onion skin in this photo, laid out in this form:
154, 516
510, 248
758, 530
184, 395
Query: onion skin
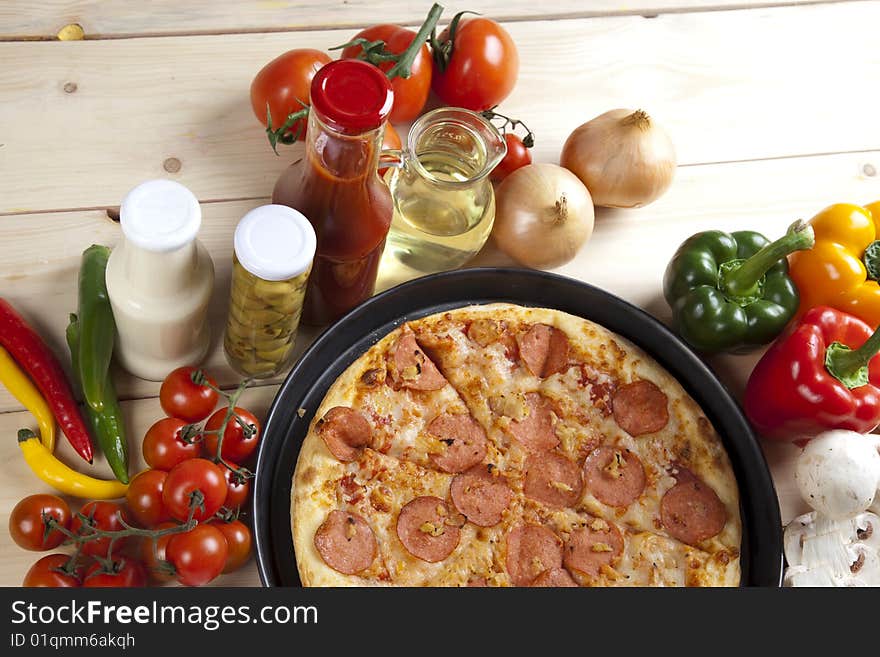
543, 215
623, 157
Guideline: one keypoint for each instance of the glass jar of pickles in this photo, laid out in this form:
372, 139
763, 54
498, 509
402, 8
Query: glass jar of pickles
274, 246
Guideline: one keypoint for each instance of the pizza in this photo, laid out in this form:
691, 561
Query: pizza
501, 445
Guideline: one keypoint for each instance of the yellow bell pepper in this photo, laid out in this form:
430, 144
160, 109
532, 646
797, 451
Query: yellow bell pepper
843, 268
23, 389
62, 478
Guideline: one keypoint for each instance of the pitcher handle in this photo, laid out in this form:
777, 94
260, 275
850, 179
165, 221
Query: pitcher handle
392, 158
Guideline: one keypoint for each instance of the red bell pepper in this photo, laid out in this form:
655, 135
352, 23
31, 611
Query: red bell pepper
822, 373
32, 354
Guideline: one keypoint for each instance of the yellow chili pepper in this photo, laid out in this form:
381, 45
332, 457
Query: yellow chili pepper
23, 389
62, 478
843, 268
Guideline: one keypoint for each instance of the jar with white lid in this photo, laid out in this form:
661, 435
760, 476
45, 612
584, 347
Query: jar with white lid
274, 246
159, 280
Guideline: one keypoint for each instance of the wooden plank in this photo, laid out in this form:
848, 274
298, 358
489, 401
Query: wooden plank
100, 19
627, 254
721, 96
19, 481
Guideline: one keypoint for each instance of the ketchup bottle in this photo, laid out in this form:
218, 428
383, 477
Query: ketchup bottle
337, 186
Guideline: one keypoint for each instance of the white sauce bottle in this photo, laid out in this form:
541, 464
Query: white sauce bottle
159, 279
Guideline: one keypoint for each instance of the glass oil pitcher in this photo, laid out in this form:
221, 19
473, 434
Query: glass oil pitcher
444, 205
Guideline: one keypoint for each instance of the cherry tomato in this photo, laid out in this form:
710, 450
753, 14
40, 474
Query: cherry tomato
238, 540
46, 572
236, 447
191, 475
26, 522
106, 516
198, 555
285, 82
482, 68
517, 156
152, 558
237, 490
144, 497
183, 399
163, 446
410, 94
125, 573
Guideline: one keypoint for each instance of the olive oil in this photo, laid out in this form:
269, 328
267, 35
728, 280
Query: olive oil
444, 205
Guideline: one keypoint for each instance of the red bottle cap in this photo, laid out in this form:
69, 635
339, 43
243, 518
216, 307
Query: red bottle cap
351, 96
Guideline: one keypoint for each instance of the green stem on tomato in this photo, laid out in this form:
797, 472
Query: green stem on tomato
403, 67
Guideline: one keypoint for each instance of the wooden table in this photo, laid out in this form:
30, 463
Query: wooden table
773, 109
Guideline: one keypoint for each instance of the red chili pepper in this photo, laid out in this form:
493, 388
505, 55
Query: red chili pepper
822, 373
40, 363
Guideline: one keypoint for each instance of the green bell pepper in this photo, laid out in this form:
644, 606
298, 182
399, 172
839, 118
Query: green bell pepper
731, 291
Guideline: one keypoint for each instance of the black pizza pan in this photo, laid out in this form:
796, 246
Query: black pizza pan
342, 343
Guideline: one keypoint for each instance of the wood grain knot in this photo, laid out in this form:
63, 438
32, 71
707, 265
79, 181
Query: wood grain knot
70, 87
869, 170
171, 165
71, 32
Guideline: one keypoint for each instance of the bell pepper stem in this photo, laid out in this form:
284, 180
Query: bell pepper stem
850, 366
742, 280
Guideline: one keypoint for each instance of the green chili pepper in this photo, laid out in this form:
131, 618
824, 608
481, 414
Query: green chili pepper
97, 329
107, 425
731, 291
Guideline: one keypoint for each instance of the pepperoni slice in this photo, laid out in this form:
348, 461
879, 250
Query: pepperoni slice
412, 368
535, 432
552, 479
592, 546
640, 407
691, 511
345, 432
481, 496
554, 578
531, 549
464, 442
544, 350
423, 529
345, 542
614, 475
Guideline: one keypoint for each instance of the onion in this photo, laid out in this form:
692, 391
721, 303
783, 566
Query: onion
625, 159
544, 215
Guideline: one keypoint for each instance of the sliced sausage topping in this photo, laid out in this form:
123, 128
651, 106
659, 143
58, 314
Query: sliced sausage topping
481, 495
614, 476
554, 578
691, 511
531, 549
535, 431
544, 350
598, 543
424, 528
345, 542
463, 442
552, 479
411, 368
345, 432
640, 407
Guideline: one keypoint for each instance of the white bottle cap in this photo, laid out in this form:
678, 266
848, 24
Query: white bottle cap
275, 242
160, 215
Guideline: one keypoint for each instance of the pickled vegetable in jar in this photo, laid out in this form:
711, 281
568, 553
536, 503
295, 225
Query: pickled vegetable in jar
274, 246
